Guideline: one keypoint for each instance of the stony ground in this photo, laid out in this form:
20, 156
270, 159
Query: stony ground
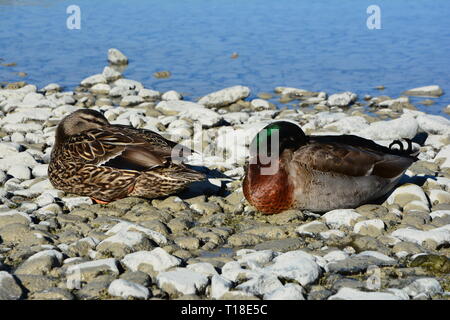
207, 242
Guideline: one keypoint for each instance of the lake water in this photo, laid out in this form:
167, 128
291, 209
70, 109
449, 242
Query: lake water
320, 45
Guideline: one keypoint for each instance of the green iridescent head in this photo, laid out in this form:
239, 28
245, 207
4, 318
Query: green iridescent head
276, 137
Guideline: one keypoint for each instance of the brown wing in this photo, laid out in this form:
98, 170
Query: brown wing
351, 160
117, 149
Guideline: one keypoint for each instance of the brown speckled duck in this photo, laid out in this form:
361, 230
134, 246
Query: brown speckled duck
94, 158
320, 173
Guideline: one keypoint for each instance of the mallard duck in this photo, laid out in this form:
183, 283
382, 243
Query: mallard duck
94, 158
319, 173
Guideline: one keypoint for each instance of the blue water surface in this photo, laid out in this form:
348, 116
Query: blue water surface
314, 45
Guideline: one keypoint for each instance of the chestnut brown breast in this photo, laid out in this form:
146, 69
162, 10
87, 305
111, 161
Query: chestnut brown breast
268, 193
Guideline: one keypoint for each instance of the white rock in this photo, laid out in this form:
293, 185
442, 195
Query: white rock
440, 235
404, 127
40, 170
377, 224
110, 74
9, 289
236, 117
129, 239
225, 96
323, 118
125, 226
295, 265
148, 94
428, 286
233, 271
52, 87
354, 294
349, 124
332, 233
443, 157
184, 281
204, 268
100, 88
58, 256
20, 172
341, 217
219, 286
261, 285
292, 92
17, 137
123, 288
427, 91
439, 213
255, 259
260, 104
92, 80
129, 84
434, 124
25, 114
377, 255
44, 199
190, 110
439, 196
171, 95
73, 202
13, 216
131, 101
109, 264
121, 91
406, 193
158, 259
290, 291
9, 149
116, 57
335, 255
342, 99
390, 102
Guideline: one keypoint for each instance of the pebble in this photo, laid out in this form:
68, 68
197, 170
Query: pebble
354, 294
116, 57
427, 286
9, 288
125, 289
157, 260
219, 286
342, 99
182, 281
225, 97
290, 291
373, 227
427, 91
439, 235
341, 217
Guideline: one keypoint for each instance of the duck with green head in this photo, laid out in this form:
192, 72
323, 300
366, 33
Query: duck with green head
290, 170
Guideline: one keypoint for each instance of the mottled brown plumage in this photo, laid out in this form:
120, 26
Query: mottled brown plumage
320, 173
94, 158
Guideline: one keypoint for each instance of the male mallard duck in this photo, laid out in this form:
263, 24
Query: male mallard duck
319, 173
94, 158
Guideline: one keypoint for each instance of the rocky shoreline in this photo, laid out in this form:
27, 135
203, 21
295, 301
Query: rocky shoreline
207, 242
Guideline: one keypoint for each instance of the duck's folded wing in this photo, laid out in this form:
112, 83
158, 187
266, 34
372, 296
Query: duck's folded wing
350, 160
117, 150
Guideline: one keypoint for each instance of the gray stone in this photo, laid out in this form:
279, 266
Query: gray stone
9, 289
52, 294
126, 289
182, 281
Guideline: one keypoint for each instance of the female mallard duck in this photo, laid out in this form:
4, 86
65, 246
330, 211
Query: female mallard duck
94, 158
319, 173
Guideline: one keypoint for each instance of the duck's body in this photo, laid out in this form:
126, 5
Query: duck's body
107, 162
322, 173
